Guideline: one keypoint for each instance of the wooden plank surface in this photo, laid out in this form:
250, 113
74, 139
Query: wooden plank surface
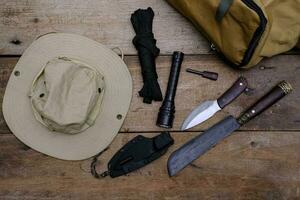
193, 90
108, 22
246, 165
261, 161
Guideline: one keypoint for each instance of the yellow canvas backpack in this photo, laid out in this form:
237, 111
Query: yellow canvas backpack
245, 31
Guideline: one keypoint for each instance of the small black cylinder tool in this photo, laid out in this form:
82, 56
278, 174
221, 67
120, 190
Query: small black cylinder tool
167, 110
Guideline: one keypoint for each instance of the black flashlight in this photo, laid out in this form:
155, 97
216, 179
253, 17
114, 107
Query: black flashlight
167, 110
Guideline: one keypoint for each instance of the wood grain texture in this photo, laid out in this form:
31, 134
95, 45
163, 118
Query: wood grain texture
261, 161
246, 165
108, 22
193, 90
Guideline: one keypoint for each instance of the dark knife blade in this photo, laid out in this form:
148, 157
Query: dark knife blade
200, 144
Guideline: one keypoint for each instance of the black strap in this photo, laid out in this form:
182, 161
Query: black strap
223, 9
145, 43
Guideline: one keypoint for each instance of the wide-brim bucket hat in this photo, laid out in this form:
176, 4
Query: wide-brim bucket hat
67, 96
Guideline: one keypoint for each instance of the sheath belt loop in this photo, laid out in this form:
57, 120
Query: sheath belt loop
162, 140
223, 9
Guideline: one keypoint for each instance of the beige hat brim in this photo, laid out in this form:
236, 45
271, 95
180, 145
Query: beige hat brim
118, 92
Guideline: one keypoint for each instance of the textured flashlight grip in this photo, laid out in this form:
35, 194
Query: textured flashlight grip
167, 110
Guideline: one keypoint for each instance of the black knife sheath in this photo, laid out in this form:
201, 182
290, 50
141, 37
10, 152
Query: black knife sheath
137, 153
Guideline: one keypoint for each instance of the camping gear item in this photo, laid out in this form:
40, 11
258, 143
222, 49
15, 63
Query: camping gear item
245, 31
202, 143
145, 44
167, 110
137, 153
205, 74
208, 108
67, 96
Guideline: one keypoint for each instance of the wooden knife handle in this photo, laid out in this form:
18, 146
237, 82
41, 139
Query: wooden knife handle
278, 92
232, 93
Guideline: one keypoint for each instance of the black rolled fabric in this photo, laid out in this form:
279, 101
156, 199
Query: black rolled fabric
145, 44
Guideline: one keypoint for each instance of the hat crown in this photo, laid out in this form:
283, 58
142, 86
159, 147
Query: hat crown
66, 95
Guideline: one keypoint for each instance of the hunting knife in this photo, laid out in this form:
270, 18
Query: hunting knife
196, 147
208, 108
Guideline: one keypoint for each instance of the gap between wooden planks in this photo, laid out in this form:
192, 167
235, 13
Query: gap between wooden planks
193, 90
246, 165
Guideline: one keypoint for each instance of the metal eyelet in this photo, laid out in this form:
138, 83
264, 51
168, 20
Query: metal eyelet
17, 73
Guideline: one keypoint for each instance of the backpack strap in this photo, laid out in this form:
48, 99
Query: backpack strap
223, 9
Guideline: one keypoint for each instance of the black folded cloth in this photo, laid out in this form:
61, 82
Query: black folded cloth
145, 44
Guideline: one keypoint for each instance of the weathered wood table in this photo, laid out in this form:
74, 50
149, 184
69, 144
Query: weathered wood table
260, 161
